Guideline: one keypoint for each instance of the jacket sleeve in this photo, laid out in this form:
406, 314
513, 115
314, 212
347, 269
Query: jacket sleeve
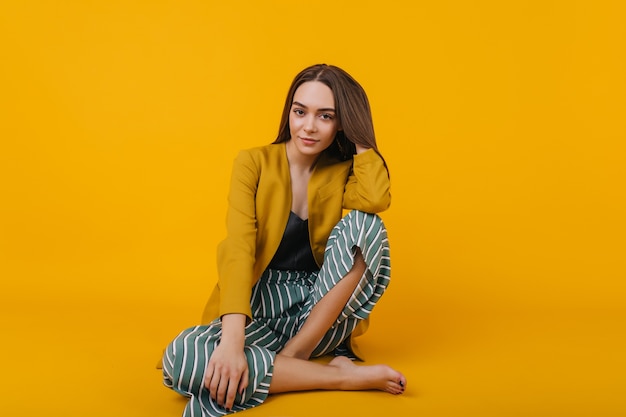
236, 254
368, 185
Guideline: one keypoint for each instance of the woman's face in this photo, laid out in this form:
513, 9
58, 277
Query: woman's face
313, 121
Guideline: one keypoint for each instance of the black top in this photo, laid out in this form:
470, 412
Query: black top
294, 252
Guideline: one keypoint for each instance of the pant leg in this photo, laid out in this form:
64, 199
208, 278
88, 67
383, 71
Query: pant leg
186, 357
367, 232
277, 300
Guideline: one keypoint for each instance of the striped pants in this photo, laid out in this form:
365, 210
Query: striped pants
281, 302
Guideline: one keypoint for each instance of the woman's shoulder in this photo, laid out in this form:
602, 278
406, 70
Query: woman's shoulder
273, 150
266, 158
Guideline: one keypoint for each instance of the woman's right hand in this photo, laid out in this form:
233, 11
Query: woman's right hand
227, 370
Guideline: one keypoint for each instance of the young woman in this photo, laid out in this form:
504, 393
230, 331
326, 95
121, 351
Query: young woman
295, 279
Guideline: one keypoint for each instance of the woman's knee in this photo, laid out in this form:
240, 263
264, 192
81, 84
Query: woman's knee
170, 373
365, 231
184, 361
360, 223
359, 217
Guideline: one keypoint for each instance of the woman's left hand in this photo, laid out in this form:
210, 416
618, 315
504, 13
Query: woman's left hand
360, 149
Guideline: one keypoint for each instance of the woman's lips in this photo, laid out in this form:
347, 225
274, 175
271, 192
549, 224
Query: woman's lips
308, 141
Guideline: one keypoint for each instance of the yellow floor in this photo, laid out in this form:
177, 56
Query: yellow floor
94, 355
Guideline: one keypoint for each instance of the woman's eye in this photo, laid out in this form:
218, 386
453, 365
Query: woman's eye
299, 112
327, 116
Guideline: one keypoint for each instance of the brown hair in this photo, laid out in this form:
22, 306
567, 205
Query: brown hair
352, 108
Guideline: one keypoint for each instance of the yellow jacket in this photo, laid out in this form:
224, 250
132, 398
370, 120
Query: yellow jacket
259, 203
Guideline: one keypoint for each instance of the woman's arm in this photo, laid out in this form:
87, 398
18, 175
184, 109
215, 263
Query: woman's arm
236, 254
368, 186
227, 370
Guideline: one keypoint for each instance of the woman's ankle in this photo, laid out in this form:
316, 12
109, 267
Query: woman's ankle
294, 352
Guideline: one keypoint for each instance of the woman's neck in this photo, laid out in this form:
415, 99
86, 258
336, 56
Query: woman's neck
298, 160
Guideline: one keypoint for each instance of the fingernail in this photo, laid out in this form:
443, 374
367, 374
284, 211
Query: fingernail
401, 384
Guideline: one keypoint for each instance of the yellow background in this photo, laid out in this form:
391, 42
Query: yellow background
503, 124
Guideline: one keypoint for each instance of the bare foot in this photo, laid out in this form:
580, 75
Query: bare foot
380, 377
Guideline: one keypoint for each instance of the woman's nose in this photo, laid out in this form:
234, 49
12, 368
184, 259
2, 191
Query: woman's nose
309, 124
